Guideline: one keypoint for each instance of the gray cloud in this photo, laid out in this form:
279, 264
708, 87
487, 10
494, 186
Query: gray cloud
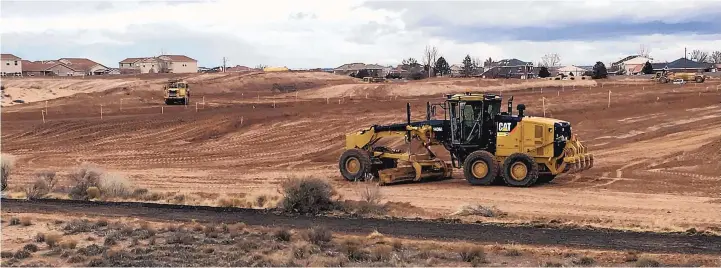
135, 41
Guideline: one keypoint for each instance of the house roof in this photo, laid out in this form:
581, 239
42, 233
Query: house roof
571, 68
182, 58
358, 66
80, 64
681, 63
638, 60
238, 68
625, 59
41, 66
9, 57
511, 62
130, 60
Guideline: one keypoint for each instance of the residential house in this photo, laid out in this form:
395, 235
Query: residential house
510, 68
629, 65
84, 66
129, 63
374, 70
456, 70
571, 70
238, 69
682, 65
50, 68
11, 65
716, 67
159, 64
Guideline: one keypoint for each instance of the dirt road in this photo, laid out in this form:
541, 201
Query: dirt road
658, 147
486, 233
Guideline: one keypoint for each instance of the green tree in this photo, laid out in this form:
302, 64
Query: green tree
442, 67
599, 70
543, 72
467, 66
647, 68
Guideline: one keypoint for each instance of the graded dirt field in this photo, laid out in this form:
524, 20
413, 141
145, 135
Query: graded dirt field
657, 147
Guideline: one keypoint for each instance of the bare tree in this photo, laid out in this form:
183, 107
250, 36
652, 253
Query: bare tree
488, 62
643, 51
430, 56
551, 60
715, 57
477, 63
699, 56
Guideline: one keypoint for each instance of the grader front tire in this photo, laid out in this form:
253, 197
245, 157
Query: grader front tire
354, 165
480, 168
520, 170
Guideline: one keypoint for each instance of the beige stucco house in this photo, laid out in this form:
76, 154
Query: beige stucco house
11, 65
160, 64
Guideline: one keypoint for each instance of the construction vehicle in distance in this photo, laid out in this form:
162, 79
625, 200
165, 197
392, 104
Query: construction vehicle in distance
177, 92
369, 79
486, 143
668, 76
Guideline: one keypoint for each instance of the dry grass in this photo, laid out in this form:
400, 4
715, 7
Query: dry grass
69, 244
369, 191
40, 237
354, 248
26, 221
283, 235
381, 253
53, 239
319, 235
84, 177
31, 247
21, 254
375, 235
37, 189
231, 202
479, 210
647, 262
584, 261
5, 254
470, 253
7, 163
307, 195
114, 185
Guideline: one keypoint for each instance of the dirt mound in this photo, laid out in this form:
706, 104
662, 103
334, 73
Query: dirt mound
436, 87
268, 83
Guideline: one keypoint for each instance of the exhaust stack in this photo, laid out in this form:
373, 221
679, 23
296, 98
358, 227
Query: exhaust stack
510, 106
520, 109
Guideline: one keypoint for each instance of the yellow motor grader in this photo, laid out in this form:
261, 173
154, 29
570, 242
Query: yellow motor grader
177, 92
668, 76
486, 143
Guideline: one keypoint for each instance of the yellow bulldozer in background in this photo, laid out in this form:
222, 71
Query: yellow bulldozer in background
177, 92
488, 144
668, 76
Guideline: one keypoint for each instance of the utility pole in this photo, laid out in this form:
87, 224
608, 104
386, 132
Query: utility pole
224, 61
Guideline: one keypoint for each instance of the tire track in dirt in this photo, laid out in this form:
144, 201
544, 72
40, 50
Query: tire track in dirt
436, 230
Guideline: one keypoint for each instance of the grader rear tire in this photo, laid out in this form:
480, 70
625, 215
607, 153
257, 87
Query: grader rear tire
354, 165
520, 170
480, 168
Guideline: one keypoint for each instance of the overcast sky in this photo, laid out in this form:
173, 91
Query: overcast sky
311, 34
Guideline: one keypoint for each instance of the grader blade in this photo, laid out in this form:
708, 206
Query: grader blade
415, 171
577, 156
393, 175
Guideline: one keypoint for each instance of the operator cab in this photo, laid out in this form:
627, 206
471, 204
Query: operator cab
473, 122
